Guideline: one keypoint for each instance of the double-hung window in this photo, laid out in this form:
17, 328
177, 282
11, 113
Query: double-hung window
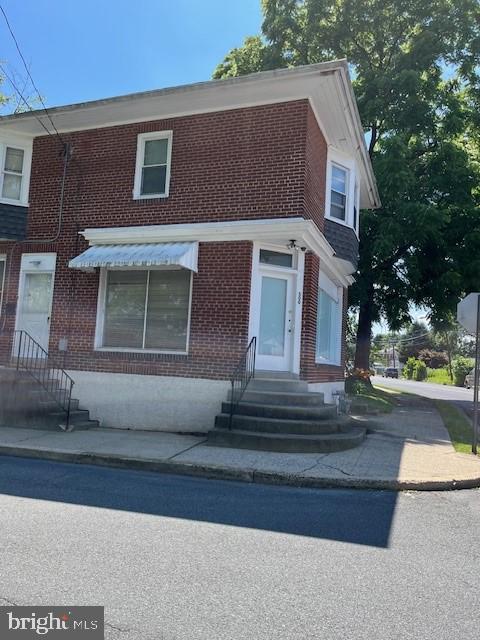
339, 193
147, 310
12, 173
152, 173
329, 322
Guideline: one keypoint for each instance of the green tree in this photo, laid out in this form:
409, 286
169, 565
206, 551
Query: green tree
411, 62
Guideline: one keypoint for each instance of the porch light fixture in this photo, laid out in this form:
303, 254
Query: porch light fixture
292, 244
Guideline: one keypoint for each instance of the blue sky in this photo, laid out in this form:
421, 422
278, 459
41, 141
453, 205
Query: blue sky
86, 49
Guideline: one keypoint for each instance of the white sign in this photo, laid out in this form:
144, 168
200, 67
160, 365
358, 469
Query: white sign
467, 312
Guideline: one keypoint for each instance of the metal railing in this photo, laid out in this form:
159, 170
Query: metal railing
243, 373
32, 358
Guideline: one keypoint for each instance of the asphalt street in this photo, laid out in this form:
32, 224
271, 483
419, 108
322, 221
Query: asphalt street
459, 395
180, 558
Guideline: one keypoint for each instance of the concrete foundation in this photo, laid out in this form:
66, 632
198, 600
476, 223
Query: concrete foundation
155, 403
327, 388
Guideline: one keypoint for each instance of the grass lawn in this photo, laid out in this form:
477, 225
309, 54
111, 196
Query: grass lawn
438, 376
374, 399
458, 425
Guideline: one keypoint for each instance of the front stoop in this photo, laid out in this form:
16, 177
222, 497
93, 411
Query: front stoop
25, 403
278, 413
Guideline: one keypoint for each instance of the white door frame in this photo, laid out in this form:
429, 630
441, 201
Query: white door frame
34, 263
297, 272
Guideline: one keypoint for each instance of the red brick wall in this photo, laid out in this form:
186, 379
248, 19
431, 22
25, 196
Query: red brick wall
219, 318
261, 162
315, 171
239, 164
309, 370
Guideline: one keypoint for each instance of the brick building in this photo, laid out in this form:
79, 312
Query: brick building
147, 243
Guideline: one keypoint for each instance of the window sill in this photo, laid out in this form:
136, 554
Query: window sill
16, 203
329, 363
154, 196
130, 350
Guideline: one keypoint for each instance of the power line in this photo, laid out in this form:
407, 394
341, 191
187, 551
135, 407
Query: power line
29, 74
23, 99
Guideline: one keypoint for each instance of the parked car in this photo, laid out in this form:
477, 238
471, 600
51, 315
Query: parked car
390, 372
469, 379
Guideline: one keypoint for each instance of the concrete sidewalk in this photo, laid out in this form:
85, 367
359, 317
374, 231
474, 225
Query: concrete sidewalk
407, 449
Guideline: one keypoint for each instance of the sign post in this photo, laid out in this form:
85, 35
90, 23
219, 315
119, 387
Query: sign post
468, 315
476, 381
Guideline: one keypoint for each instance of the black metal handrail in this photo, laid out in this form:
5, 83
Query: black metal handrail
243, 373
34, 359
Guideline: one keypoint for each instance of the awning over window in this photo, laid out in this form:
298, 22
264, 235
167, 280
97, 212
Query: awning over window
181, 254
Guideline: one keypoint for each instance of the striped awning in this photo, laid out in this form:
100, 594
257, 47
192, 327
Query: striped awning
181, 254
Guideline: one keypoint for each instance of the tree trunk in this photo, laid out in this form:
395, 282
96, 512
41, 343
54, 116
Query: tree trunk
364, 333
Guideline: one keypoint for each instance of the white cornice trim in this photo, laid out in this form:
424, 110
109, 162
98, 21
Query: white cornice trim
270, 230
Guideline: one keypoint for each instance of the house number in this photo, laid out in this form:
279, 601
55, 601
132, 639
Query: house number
299, 301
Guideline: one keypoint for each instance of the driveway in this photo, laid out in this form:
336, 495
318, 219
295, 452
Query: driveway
460, 396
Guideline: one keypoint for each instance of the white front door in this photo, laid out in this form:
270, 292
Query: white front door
35, 297
276, 320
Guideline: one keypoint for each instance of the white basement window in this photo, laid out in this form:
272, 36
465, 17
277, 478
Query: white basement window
329, 323
152, 172
12, 173
147, 310
338, 193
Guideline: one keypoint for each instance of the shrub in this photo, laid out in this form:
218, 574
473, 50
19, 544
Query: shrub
433, 359
408, 369
420, 371
461, 367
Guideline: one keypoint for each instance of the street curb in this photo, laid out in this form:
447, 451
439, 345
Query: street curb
218, 472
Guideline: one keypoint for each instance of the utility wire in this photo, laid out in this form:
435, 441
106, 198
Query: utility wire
20, 95
29, 74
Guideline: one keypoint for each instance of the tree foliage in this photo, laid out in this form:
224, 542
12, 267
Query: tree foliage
415, 69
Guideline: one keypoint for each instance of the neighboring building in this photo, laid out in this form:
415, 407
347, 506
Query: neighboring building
146, 245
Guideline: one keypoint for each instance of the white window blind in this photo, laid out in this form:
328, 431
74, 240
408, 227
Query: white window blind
147, 310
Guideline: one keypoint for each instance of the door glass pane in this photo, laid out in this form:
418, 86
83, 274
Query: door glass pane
37, 293
276, 258
271, 339
125, 309
167, 313
12, 185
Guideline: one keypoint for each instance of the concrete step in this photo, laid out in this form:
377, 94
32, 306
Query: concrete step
286, 412
276, 425
278, 384
49, 405
78, 415
282, 398
283, 375
288, 443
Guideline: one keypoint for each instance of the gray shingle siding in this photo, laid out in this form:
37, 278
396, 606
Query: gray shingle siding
13, 222
343, 240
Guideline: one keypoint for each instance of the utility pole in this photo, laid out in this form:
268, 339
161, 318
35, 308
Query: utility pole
476, 381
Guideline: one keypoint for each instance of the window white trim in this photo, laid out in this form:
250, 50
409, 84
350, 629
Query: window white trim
335, 293
341, 160
3, 258
100, 320
141, 140
26, 147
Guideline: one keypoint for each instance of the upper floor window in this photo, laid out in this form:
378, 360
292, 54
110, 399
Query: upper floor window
339, 193
13, 162
152, 172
